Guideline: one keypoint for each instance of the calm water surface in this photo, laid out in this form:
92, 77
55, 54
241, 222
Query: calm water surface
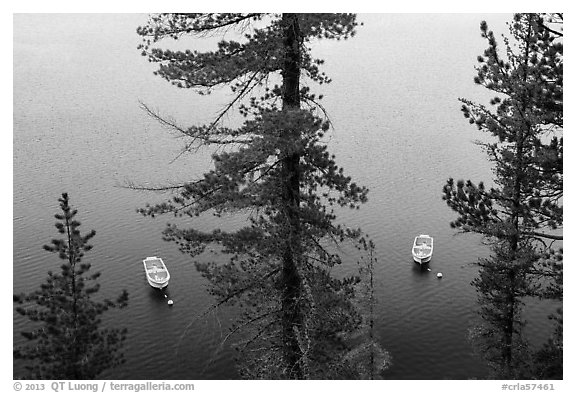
78, 81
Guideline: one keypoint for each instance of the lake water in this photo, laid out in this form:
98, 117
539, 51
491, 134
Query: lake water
78, 127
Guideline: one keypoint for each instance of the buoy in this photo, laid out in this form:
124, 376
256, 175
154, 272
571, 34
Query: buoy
170, 302
439, 275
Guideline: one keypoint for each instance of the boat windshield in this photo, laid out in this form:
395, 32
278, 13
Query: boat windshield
154, 265
423, 241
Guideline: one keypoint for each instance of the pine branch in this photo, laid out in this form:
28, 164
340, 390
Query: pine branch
226, 299
197, 28
205, 139
543, 235
132, 186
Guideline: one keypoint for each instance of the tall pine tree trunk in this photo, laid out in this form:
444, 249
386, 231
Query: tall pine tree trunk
72, 365
292, 317
514, 239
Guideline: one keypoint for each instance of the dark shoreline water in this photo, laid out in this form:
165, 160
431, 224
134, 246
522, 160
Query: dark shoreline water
78, 80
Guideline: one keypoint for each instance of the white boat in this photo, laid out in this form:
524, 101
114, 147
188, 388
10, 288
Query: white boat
422, 248
156, 272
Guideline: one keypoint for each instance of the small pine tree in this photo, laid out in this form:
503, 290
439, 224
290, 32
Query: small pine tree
366, 359
502, 284
68, 341
548, 360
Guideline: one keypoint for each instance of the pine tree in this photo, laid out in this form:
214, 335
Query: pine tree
502, 284
68, 342
525, 204
276, 170
548, 360
367, 359
528, 112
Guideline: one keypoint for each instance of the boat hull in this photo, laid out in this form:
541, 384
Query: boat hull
158, 285
421, 260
